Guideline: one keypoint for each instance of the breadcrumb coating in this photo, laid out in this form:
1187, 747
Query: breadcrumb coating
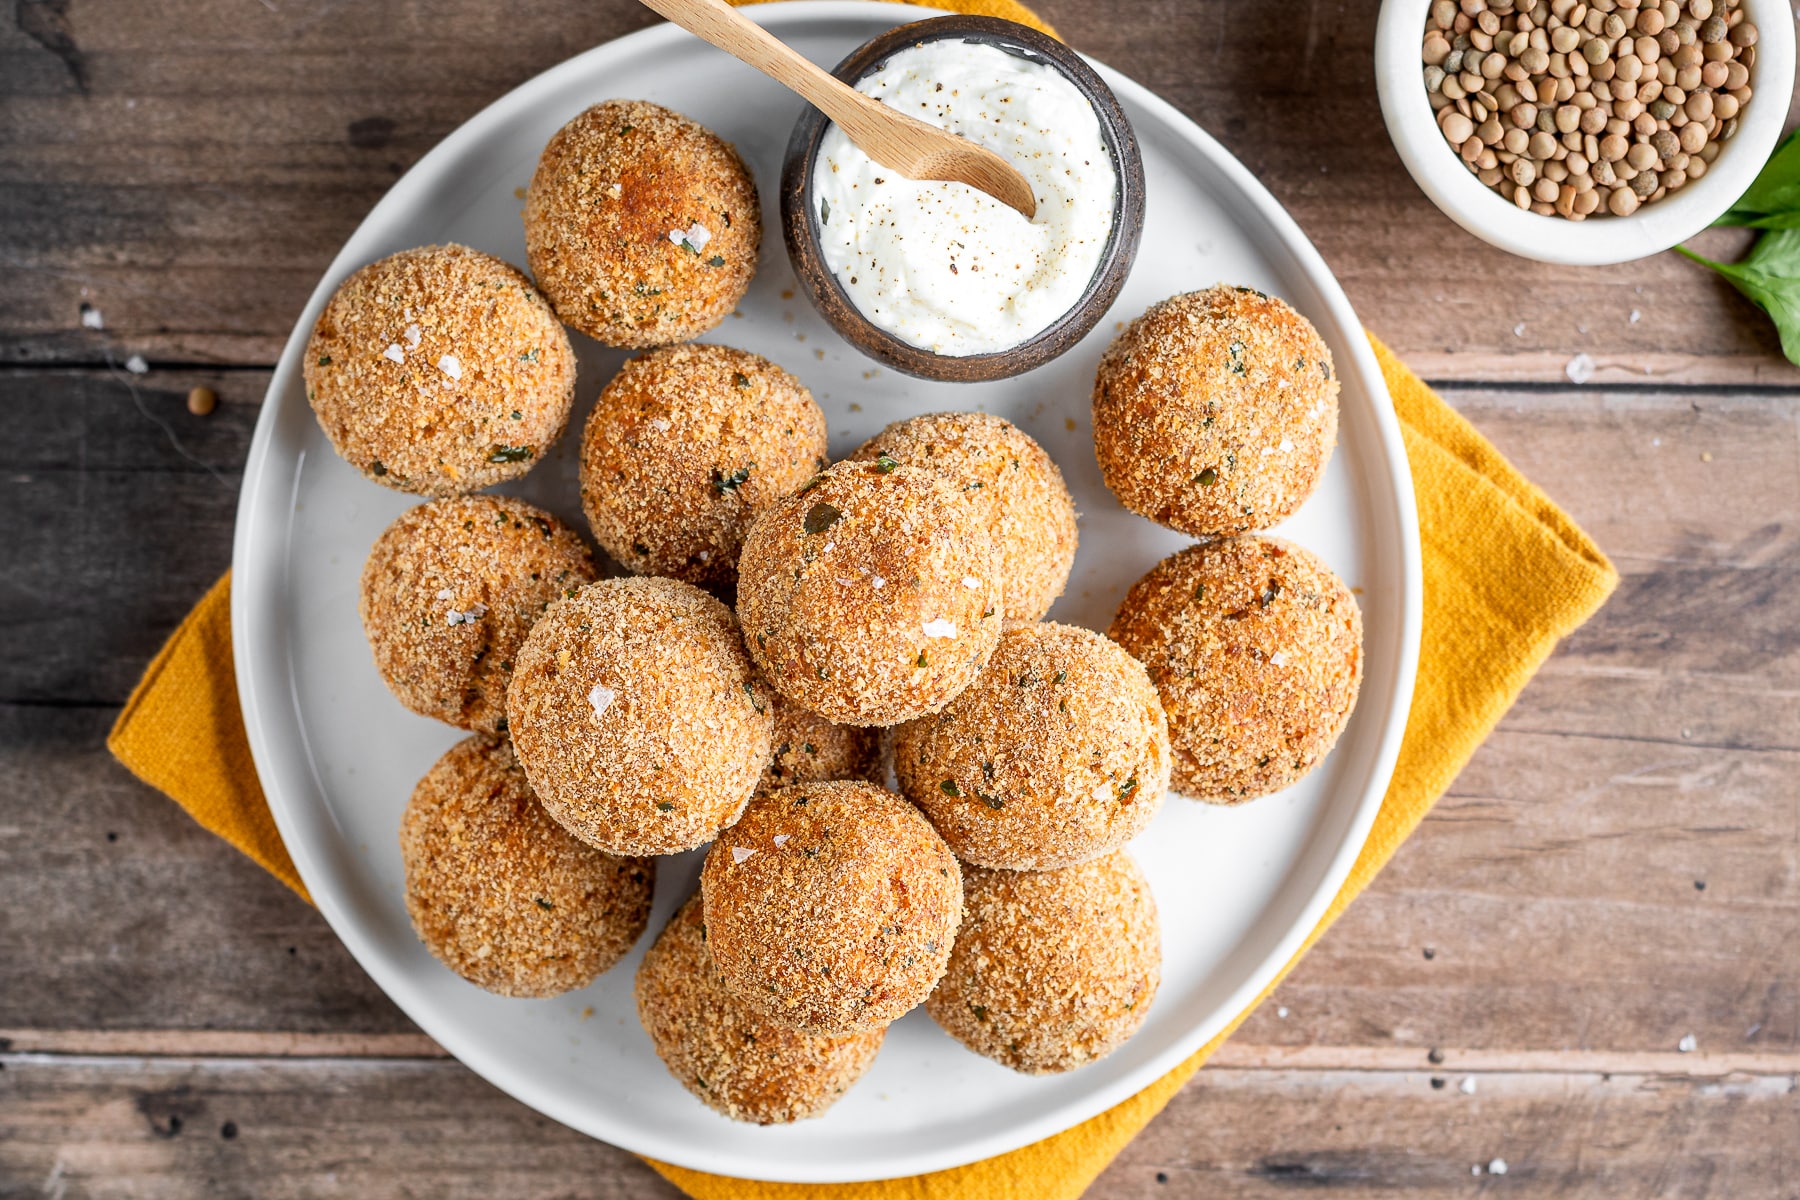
810, 749
1016, 487
502, 894
1055, 755
639, 717
439, 371
872, 595
449, 592
1256, 649
685, 448
641, 225
737, 1062
831, 907
1052, 969
1215, 412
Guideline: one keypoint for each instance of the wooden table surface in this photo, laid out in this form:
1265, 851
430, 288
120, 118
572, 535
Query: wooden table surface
1618, 869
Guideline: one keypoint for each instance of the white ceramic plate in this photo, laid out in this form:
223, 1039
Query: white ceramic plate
1237, 889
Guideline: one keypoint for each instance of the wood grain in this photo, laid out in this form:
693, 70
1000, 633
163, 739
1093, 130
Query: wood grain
194, 189
374, 1128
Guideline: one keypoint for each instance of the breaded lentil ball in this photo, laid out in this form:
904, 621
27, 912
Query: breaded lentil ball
1052, 969
831, 907
1215, 412
736, 1061
686, 446
449, 593
810, 749
439, 371
1015, 486
1056, 754
1256, 649
641, 225
872, 595
502, 894
638, 716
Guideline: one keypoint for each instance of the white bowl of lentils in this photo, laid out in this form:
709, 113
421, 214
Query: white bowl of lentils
1584, 131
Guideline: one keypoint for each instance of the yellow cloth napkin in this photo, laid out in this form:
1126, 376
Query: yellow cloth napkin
1507, 574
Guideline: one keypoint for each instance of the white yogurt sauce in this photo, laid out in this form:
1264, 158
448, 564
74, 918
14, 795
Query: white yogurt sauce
942, 266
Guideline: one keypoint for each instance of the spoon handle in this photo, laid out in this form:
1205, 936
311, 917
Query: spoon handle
899, 142
721, 25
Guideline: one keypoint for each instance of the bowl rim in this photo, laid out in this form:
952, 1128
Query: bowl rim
820, 283
1653, 228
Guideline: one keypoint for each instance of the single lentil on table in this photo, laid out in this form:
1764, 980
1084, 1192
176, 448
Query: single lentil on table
1568, 107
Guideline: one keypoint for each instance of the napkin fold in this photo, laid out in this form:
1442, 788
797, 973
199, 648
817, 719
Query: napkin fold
1507, 574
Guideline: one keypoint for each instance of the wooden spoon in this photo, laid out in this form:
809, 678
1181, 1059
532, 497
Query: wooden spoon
890, 137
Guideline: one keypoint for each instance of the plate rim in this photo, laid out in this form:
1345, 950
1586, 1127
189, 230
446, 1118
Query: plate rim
250, 636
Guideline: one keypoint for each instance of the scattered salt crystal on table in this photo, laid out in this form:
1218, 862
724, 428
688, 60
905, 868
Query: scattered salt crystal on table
136, 364
1519, 329
450, 366
394, 352
1497, 1167
939, 628
1688, 1044
601, 697
1580, 369
91, 318
740, 853
1636, 316
1282, 1012
1468, 1085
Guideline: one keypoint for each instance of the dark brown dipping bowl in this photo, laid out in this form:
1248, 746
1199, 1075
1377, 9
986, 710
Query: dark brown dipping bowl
799, 212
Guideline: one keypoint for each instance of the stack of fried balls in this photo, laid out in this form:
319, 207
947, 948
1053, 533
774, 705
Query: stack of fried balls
885, 624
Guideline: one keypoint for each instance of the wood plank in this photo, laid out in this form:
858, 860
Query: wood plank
385, 1128
117, 910
120, 508
95, 1129
1261, 1134
1238, 1054
194, 189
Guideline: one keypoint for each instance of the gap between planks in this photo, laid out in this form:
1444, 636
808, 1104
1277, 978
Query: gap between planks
161, 1043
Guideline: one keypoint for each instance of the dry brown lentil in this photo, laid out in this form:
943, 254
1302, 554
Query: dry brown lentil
1498, 69
202, 400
